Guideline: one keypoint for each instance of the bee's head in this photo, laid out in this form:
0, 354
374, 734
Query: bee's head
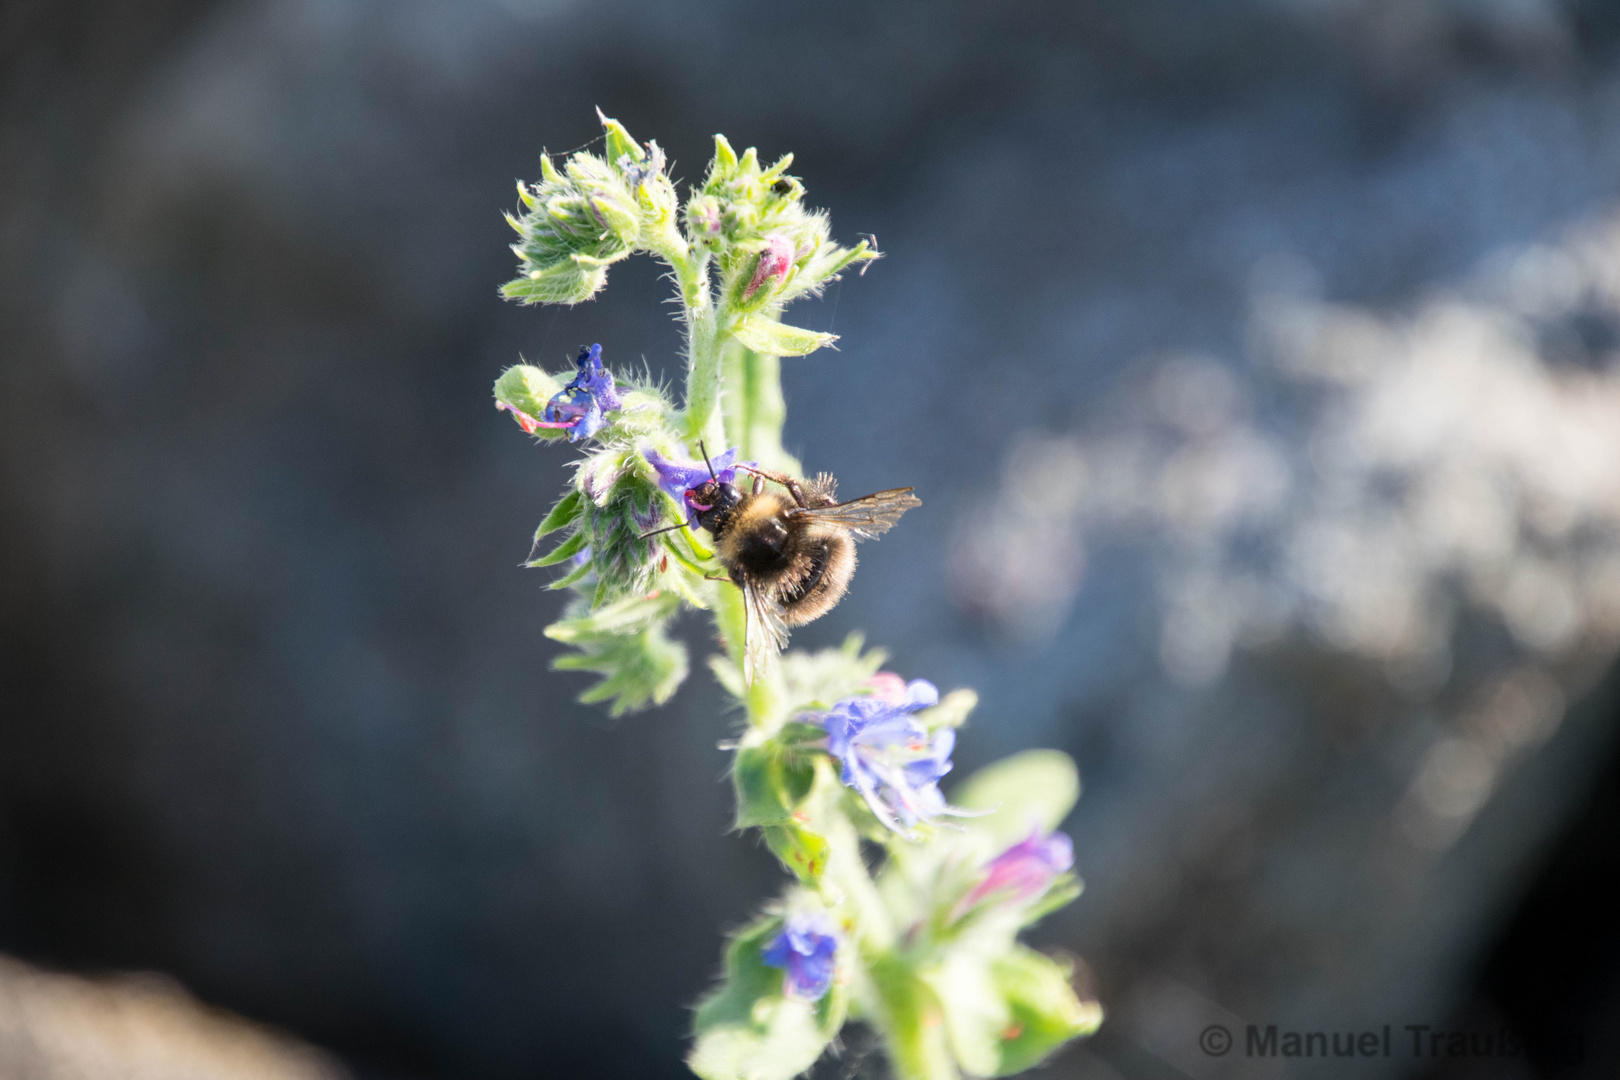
712, 501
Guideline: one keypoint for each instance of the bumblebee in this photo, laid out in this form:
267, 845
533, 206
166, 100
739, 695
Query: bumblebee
791, 552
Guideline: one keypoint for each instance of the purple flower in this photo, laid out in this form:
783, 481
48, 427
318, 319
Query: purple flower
1025, 870
676, 478
580, 407
890, 758
805, 949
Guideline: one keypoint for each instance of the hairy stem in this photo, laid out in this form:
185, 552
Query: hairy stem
909, 1017
705, 344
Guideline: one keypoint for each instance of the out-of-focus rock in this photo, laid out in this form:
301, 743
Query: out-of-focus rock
136, 1027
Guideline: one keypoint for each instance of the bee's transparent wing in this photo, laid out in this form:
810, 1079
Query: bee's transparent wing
766, 633
868, 516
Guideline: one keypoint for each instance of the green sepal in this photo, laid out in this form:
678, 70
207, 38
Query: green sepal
619, 141
824, 265
766, 335
1063, 891
771, 783
563, 514
747, 1030
565, 550
802, 850
725, 158
620, 217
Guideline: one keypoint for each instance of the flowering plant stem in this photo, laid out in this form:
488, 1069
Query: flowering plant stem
706, 341
837, 758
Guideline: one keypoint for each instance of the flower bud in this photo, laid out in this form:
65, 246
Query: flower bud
705, 220
888, 687
576, 223
523, 391
773, 266
1024, 871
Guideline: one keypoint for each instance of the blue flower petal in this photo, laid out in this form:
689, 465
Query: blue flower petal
675, 478
807, 951
595, 380
892, 760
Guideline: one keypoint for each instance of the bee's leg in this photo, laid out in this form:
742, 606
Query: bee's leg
715, 577
759, 484
781, 478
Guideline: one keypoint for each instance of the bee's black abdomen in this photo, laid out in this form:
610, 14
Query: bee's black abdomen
817, 554
828, 562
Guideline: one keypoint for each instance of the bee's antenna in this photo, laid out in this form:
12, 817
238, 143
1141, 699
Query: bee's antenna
655, 532
705, 454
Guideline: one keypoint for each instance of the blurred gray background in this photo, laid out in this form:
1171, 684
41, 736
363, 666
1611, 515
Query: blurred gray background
1256, 362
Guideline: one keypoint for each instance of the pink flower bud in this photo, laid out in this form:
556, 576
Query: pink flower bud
774, 263
888, 686
1024, 871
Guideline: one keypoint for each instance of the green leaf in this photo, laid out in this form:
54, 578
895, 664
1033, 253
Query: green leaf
747, 1030
565, 550
729, 676
766, 335
573, 577
626, 644
1045, 1012
811, 681
952, 710
563, 514
620, 617
1032, 789
564, 282
1007, 1013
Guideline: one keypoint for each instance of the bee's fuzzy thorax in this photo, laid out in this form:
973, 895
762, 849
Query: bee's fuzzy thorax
753, 529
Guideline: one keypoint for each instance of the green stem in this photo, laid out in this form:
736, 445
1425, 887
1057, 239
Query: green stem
767, 410
911, 1021
705, 343
738, 402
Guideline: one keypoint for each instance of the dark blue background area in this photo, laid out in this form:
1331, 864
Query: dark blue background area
276, 712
